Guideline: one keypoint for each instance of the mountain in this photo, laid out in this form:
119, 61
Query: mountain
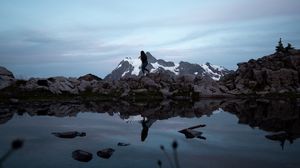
131, 67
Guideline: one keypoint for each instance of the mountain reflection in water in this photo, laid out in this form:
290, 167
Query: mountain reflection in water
279, 119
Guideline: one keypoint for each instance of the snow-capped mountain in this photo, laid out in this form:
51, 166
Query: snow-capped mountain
132, 66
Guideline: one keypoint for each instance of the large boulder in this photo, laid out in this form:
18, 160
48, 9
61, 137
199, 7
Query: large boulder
89, 77
6, 77
56, 85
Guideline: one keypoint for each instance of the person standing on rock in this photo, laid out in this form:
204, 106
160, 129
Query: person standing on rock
144, 60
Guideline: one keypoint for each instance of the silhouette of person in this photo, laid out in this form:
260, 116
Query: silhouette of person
144, 60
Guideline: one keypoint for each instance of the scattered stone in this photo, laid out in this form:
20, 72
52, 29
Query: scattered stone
71, 134
189, 134
82, 156
105, 153
123, 144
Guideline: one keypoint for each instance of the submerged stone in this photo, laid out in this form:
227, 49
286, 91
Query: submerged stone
105, 153
82, 156
189, 134
123, 144
70, 134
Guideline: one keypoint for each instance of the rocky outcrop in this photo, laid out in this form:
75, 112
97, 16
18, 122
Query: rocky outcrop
6, 78
59, 85
276, 73
155, 85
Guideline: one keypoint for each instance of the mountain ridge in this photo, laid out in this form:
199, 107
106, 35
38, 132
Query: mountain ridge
131, 67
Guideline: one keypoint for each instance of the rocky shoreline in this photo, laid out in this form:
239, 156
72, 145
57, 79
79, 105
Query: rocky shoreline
275, 74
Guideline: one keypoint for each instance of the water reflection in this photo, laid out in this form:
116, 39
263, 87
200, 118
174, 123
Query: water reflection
279, 117
146, 124
190, 133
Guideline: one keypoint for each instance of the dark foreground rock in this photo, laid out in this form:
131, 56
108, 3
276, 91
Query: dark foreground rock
105, 153
82, 156
123, 144
189, 134
71, 134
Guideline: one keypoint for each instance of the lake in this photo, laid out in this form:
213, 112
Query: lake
233, 133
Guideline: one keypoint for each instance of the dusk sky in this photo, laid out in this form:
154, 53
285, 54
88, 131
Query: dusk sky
42, 38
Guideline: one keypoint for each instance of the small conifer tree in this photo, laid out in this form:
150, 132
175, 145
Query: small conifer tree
279, 47
289, 47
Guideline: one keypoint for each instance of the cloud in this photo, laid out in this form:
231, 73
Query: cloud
95, 36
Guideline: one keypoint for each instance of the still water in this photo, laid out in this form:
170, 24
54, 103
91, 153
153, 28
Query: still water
237, 133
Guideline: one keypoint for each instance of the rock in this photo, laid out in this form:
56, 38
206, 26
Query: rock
123, 144
149, 83
5, 72
43, 82
71, 134
166, 93
105, 153
187, 78
275, 73
82, 156
12, 100
6, 78
189, 134
140, 91
89, 77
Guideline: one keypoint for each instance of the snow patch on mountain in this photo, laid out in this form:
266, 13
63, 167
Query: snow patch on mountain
156, 66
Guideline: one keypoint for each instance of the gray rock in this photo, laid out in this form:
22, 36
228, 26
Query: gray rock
6, 72
6, 78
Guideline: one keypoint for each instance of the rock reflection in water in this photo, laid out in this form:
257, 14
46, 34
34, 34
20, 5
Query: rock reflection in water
279, 117
191, 133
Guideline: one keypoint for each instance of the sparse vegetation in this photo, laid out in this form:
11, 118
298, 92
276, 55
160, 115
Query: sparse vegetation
280, 47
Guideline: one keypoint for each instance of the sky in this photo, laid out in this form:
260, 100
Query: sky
75, 37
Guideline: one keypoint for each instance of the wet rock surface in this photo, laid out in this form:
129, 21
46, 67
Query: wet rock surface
190, 133
105, 153
82, 156
123, 144
70, 134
